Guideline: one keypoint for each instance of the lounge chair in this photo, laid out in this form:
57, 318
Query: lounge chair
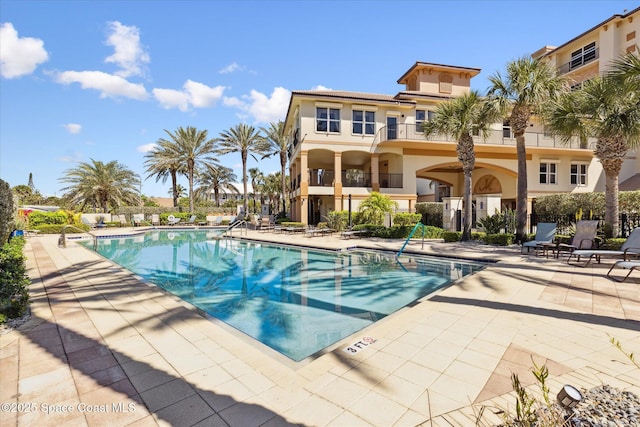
138, 219
628, 265
86, 221
214, 220
545, 233
630, 248
191, 221
155, 219
585, 237
172, 220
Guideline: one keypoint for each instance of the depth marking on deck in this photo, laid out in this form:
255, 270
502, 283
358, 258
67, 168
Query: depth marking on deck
360, 345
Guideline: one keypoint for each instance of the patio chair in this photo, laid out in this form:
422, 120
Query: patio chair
155, 219
191, 221
86, 221
585, 237
138, 219
630, 248
545, 233
172, 220
627, 265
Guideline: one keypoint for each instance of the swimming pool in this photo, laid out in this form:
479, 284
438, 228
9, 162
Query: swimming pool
295, 300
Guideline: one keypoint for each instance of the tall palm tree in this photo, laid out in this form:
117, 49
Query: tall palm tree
215, 178
460, 118
247, 141
522, 93
191, 149
271, 190
101, 185
257, 179
608, 108
278, 145
163, 162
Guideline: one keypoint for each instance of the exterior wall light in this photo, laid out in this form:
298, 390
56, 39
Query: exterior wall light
569, 397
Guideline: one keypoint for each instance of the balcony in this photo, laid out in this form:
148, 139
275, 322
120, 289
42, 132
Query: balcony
412, 132
589, 55
350, 178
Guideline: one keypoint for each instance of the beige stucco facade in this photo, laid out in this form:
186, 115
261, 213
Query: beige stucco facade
344, 145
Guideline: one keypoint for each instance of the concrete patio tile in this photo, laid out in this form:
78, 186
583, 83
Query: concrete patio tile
86, 383
342, 392
106, 402
50, 387
417, 374
187, 411
166, 394
365, 375
377, 409
384, 361
47, 413
212, 421
399, 390
348, 419
313, 410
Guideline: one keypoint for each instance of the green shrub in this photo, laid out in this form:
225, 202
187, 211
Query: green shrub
14, 295
433, 211
499, 239
407, 219
451, 236
504, 221
6, 211
37, 219
337, 220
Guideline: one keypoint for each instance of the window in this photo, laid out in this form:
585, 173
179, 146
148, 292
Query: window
506, 129
548, 173
364, 122
582, 56
420, 116
578, 174
548, 133
327, 119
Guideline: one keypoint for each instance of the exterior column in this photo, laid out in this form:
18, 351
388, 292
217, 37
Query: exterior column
304, 188
375, 172
337, 181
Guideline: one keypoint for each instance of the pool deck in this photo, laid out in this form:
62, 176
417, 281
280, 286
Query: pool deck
104, 348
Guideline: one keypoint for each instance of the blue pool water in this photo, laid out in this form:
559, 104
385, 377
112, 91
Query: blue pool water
295, 300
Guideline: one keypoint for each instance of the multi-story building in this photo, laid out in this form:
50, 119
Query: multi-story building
345, 145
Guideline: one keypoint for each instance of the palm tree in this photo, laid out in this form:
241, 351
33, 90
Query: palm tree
608, 108
191, 149
101, 184
271, 189
460, 118
247, 141
163, 162
278, 145
520, 94
216, 178
257, 179
375, 206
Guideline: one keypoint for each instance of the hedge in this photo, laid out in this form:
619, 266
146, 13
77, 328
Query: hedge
14, 293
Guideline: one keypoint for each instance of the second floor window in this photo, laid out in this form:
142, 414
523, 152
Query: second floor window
578, 174
364, 122
506, 129
327, 119
420, 116
548, 173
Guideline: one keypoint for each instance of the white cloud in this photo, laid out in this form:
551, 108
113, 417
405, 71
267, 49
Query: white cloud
262, 108
73, 127
146, 147
129, 54
19, 56
270, 109
320, 87
193, 94
170, 98
110, 86
234, 66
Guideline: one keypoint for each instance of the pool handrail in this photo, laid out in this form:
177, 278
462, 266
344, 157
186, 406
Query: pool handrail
234, 225
62, 240
410, 236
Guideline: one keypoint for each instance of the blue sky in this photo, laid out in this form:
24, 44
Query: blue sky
101, 80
